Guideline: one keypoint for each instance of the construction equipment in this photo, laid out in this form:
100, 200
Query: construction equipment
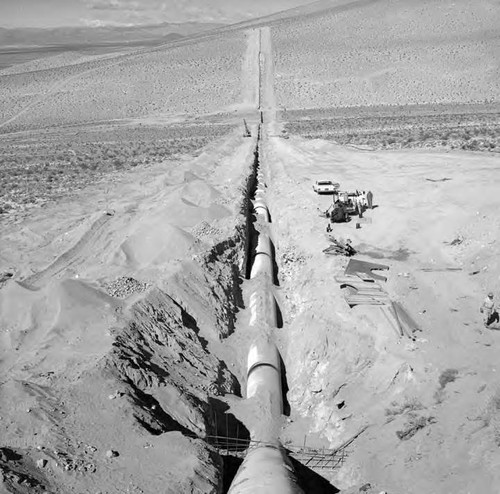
346, 204
247, 132
354, 202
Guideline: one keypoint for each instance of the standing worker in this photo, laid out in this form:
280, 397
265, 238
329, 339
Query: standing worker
489, 311
369, 199
359, 204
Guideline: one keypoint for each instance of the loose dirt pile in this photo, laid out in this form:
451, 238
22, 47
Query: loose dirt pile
111, 391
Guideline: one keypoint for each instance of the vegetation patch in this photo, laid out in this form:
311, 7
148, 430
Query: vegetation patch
446, 377
413, 425
466, 127
408, 405
38, 168
490, 416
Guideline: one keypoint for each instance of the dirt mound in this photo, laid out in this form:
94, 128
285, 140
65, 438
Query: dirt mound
162, 339
144, 374
199, 193
61, 327
156, 244
115, 384
187, 214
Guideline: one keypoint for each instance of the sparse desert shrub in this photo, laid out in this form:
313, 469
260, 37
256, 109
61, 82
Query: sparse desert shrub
494, 403
450, 129
447, 376
413, 425
55, 166
408, 405
490, 416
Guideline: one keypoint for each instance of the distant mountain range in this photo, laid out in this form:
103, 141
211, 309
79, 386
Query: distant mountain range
32, 37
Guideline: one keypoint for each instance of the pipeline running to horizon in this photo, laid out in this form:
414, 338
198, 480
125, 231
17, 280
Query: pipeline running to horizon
266, 468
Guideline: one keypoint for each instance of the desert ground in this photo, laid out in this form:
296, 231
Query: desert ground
127, 234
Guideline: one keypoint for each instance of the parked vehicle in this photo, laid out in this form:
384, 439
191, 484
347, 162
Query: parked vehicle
325, 187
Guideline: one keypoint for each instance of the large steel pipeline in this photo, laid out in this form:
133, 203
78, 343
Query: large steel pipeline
263, 309
264, 367
264, 377
263, 261
266, 468
260, 208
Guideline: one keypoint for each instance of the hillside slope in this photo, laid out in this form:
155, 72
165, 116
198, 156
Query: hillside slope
389, 53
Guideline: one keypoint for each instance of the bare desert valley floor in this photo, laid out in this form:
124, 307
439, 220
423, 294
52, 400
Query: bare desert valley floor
128, 233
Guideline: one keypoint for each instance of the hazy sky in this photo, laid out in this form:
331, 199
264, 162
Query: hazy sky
54, 13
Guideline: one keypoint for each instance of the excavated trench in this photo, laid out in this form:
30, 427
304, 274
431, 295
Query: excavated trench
169, 377
305, 478
250, 231
259, 243
164, 375
232, 462
162, 358
166, 323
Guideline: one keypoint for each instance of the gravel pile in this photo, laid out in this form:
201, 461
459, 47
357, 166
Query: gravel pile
124, 286
290, 261
205, 229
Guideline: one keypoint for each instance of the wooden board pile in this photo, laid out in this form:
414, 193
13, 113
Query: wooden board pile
360, 283
361, 287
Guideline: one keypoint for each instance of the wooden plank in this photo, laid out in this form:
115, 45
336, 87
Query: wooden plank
355, 296
367, 302
355, 280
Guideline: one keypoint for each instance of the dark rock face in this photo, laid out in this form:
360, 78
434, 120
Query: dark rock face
164, 360
18, 473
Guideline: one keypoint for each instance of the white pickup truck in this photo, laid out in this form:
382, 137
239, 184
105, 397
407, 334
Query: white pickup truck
325, 187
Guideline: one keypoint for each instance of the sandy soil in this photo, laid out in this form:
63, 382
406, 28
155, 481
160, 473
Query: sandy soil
355, 370
193, 78
83, 370
123, 309
392, 53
